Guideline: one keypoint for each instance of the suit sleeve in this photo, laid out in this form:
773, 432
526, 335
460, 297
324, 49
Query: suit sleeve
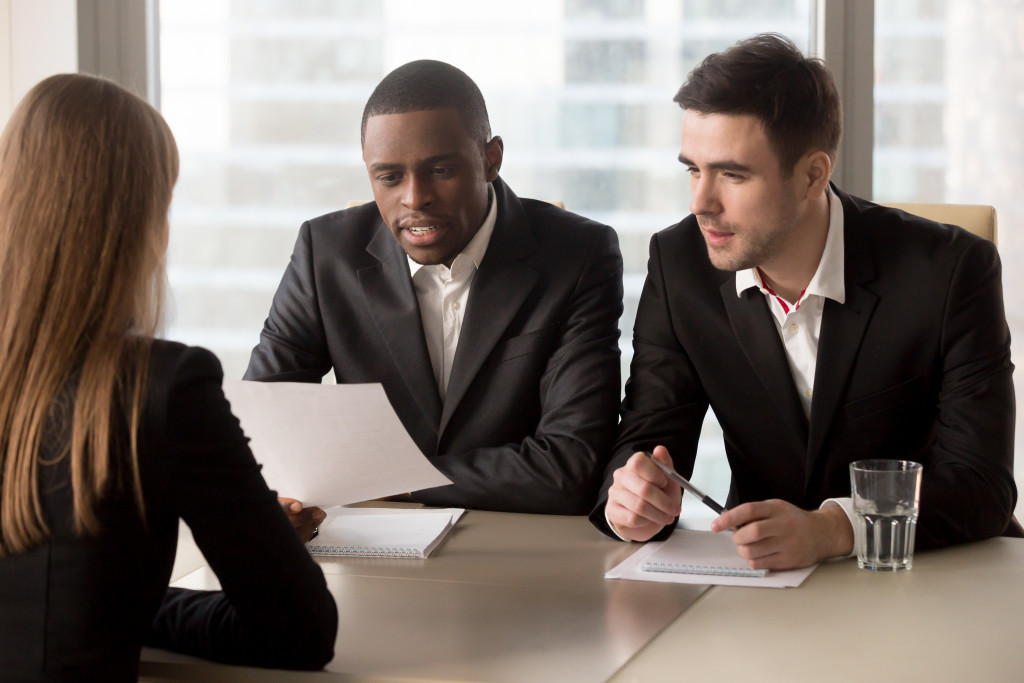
665, 402
968, 492
293, 346
557, 469
275, 609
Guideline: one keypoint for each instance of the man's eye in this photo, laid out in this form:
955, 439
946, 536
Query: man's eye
442, 170
693, 172
388, 179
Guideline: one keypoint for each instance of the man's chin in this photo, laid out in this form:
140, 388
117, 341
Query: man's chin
727, 261
426, 257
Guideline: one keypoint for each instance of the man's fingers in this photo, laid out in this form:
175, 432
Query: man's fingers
640, 465
778, 535
642, 499
304, 520
661, 454
630, 510
630, 525
639, 494
742, 516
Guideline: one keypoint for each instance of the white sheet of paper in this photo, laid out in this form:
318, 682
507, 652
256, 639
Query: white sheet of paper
704, 548
329, 444
343, 510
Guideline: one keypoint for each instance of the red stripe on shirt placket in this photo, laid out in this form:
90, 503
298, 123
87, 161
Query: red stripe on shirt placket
782, 302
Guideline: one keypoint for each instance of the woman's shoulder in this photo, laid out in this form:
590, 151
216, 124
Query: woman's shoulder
173, 361
180, 378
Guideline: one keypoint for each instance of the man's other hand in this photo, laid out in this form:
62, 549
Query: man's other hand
774, 534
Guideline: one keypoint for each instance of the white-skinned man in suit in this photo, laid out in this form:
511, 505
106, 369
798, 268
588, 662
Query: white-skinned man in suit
819, 327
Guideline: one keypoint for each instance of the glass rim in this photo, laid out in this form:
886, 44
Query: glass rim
885, 465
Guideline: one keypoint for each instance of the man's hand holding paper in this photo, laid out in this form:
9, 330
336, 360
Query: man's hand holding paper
305, 520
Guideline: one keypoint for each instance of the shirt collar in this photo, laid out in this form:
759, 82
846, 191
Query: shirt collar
829, 279
477, 246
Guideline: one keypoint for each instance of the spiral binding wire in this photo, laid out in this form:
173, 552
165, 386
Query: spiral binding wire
700, 569
349, 551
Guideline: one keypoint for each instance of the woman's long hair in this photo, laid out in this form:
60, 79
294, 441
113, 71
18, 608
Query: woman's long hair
86, 175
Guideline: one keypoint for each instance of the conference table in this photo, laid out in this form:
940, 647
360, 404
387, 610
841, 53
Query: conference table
516, 597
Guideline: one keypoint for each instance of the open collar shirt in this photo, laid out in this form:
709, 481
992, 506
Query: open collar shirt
443, 294
799, 323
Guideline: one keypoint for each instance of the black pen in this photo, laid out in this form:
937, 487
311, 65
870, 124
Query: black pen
682, 481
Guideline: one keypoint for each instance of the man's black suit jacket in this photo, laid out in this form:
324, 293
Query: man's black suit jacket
915, 365
532, 402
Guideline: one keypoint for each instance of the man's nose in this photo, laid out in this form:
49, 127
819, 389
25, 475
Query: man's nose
418, 193
703, 196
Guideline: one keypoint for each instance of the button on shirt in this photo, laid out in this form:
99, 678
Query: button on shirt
443, 293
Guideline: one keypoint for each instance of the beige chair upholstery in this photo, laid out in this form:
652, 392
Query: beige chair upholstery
357, 202
977, 218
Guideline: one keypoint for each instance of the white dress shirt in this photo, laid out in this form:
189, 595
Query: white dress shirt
443, 293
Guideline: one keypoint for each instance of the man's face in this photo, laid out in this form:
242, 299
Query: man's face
429, 176
746, 210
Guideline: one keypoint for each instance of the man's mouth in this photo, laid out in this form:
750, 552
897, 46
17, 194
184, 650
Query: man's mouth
422, 225
420, 230
714, 230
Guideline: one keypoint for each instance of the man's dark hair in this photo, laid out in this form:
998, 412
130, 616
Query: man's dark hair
767, 76
428, 84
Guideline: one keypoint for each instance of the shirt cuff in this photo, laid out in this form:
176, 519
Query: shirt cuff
612, 526
846, 504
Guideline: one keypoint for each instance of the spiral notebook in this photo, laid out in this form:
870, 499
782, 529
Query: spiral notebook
690, 556
703, 552
382, 533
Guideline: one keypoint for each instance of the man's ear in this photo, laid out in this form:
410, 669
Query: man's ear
815, 169
494, 150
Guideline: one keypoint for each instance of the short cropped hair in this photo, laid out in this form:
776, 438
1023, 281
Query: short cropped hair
427, 84
767, 76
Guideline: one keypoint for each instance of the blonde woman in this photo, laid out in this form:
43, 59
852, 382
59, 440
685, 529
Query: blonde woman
109, 436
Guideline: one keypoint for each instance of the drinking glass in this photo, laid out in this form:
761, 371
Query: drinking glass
886, 496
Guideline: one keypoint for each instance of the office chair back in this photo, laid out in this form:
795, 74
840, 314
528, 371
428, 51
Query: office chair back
979, 219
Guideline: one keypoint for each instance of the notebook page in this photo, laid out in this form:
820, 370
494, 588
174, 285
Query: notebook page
704, 549
381, 535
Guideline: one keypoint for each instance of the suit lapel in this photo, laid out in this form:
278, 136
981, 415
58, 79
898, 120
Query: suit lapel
842, 330
755, 331
392, 303
501, 285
